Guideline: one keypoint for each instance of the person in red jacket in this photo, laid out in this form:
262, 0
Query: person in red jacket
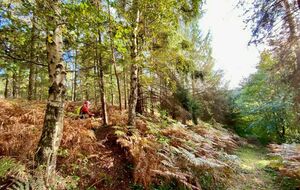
84, 110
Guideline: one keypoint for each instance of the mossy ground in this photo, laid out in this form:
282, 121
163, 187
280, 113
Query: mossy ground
254, 170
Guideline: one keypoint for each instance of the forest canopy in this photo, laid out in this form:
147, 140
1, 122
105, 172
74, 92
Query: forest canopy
102, 42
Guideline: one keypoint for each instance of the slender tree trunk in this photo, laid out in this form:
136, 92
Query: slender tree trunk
140, 107
125, 90
101, 85
283, 133
53, 121
134, 73
95, 81
6, 86
117, 78
74, 92
290, 20
292, 24
35, 83
160, 91
19, 82
87, 85
295, 43
14, 84
118, 86
113, 59
87, 97
140, 99
151, 101
31, 80
193, 84
111, 87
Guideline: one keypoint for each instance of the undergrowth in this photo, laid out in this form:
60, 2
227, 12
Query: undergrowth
286, 164
163, 152
81, 158
166, 152
158, 153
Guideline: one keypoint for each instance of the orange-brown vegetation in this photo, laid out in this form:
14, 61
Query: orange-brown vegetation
157, 150
91, 159
289, 159
172, 151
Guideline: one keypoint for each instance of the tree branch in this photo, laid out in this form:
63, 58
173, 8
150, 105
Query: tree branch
9, 56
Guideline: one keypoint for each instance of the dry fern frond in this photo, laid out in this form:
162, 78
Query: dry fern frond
290, 155
181, 177
185, 150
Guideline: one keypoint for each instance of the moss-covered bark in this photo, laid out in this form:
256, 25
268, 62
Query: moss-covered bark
53, 122
134, 74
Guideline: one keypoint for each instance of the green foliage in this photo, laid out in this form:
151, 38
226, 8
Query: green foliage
119, 133
206, 179
284, 182
263, 107
20, 186
136, 187
6, 165
63, 152
287, 183
188, 103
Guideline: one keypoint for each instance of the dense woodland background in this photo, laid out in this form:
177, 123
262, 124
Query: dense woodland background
172, 53
147, 59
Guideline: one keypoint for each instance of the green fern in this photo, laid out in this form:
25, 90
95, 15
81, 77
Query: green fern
6, 164
10, 167
18, 185
120, 133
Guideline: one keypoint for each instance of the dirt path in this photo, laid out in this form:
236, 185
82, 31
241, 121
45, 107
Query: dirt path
113, 162
253, 162
107, 169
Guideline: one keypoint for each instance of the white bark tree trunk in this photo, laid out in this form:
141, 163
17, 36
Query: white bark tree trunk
134, 74
53, 121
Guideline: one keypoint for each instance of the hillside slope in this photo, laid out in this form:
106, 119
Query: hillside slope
157, 153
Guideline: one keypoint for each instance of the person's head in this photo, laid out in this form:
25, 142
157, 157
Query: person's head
87, 103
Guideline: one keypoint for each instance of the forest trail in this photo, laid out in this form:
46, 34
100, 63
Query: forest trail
115, 167
253, 162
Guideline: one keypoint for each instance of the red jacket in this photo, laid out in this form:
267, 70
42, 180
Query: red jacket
85, 110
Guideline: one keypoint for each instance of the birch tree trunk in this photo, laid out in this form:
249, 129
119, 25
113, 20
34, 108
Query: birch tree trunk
53, 121
31, 80
134, 74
